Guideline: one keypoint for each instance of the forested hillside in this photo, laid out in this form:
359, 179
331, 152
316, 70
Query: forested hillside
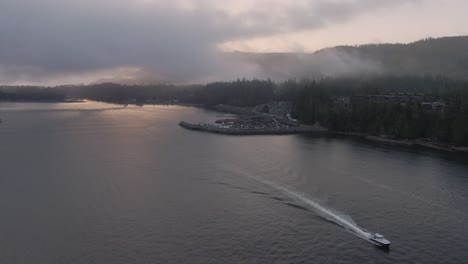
446, 56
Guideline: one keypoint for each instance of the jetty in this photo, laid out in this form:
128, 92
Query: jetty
252, 130
273, 119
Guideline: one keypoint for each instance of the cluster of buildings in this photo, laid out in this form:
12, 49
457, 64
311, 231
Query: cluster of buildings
428, 102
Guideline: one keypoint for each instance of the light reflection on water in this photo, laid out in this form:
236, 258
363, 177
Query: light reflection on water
93, 182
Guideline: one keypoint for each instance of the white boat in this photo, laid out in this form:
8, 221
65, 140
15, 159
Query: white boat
379, 240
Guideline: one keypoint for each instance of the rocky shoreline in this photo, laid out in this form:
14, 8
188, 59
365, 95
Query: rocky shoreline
255, 123
427, 144
417, 143
318, 131
251, 131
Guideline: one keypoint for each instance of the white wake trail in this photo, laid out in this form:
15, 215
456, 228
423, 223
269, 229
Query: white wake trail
338, 218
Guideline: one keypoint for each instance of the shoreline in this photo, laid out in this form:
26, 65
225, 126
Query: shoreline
318, 131
404, 142
301, 129
418, 143
255, 131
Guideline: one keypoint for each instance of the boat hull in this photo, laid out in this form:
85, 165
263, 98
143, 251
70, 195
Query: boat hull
380, 244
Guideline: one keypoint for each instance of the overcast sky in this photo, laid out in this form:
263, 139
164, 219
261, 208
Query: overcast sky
81, 41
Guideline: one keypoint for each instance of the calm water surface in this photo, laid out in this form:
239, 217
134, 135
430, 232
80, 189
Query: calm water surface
98, 183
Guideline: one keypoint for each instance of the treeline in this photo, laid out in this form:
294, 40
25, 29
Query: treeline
118, 93
313, 101
243, 93
446, 56
31, 94
317, 101
237, 93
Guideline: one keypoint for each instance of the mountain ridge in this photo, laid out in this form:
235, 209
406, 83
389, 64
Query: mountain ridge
446, 56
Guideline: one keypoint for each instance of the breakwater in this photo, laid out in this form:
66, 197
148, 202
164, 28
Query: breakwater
315, 130
251, 131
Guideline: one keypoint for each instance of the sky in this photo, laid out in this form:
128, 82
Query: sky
51, 42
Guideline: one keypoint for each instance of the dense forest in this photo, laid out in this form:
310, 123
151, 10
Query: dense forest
237, 93
398, 107
31, 93
446, 56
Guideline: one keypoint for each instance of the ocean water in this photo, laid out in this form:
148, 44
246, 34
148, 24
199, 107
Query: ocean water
99, 183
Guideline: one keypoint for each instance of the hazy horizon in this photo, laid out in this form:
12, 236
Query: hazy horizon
50, 42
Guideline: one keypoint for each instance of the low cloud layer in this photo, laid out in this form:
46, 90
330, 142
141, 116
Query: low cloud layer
47, 41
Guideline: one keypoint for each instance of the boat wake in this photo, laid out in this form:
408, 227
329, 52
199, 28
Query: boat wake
330, 215
338, 218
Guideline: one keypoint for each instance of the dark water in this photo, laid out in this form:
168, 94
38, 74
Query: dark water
96, 183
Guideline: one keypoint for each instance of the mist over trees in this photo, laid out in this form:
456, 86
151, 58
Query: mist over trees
341, 91
446, 56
